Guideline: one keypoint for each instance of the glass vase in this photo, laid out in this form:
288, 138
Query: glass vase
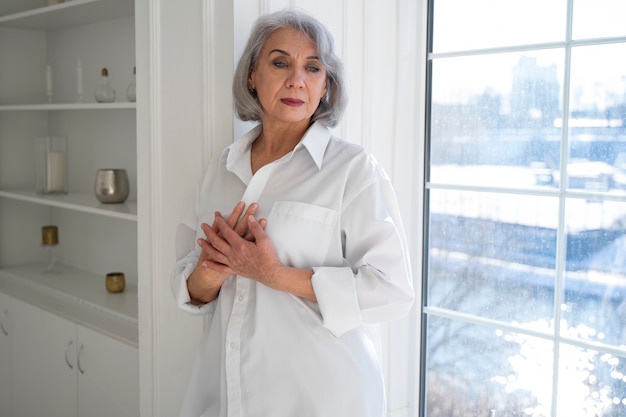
104, 92
131, 91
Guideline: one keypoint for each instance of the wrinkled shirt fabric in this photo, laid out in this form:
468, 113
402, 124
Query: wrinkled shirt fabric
329, 207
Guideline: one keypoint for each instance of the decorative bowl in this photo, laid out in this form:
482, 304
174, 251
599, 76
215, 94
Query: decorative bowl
112, 186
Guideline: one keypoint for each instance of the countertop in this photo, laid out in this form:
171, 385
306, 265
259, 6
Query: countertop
76, 295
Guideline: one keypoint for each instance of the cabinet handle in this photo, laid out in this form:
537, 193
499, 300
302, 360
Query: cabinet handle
4, 331
80, 352
67, 348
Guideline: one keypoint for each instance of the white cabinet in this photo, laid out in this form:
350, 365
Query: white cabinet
44, 362
108, 376
5, 356
65, 369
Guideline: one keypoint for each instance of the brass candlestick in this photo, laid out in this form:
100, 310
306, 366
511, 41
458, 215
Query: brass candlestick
49, 239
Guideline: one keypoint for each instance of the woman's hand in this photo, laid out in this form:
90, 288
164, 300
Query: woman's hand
205, 282
254, 256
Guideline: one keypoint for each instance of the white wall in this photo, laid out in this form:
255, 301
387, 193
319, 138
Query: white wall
186, 114
191, 47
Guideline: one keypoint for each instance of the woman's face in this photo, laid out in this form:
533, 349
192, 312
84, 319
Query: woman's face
289, 78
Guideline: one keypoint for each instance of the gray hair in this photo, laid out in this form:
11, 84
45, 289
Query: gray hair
331, 107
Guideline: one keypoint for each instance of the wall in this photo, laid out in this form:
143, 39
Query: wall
185, 114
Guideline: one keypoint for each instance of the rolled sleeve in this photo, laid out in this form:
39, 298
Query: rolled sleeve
377, 255
337, 298
179, 289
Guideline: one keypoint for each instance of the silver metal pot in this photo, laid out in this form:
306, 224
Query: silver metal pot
112, 186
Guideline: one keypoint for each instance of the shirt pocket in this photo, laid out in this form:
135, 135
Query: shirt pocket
302, 233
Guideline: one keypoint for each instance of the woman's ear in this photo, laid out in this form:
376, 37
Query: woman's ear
251, 84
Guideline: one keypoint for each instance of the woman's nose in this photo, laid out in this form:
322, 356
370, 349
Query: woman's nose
295, 78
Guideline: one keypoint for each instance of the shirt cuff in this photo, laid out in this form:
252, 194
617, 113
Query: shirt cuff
336, 295
183, 299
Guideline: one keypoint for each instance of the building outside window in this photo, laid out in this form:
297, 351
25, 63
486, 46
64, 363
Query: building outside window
524, 291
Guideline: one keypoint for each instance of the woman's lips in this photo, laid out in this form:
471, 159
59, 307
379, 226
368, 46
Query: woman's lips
292, 102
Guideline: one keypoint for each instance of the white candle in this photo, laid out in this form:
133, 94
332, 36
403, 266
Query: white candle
55, 181
49, 83
79, 81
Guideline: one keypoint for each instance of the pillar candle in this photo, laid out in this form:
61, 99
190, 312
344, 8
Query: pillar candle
56, 171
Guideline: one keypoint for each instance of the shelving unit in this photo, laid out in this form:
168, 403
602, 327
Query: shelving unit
68, 14
76, 201
67, 106
95, 238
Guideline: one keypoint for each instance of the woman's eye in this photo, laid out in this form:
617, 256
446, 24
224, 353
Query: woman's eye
313, 68
280, 64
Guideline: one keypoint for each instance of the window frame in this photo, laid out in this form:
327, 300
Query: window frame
563, 193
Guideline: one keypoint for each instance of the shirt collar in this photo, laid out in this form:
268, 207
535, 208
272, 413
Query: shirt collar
315, 141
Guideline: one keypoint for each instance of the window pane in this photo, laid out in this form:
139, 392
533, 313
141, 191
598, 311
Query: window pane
473, 370
591, 383
595, 285
597, 160
526, 212
598, 18
492, 255
494, 111
462, 25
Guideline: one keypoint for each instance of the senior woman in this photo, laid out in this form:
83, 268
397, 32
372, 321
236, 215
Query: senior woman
311, 255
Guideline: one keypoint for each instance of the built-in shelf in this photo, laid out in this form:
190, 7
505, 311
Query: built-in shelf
83, 202
75, 294
68, 14
68, 106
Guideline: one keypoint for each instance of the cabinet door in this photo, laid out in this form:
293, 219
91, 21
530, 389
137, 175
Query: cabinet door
5, 357
108, 376
44, 363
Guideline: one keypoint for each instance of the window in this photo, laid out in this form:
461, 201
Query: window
524, 292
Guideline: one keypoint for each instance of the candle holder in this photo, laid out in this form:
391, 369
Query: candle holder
49, 88
51, 165
49, 239
115, 282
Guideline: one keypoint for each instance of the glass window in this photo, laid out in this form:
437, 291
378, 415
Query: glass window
524, 280
494, 111
598, 18
478, 24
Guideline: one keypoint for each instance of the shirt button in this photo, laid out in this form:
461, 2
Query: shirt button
241, 297
233, 345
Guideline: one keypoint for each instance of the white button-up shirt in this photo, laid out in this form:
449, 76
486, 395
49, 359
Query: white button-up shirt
329, 207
